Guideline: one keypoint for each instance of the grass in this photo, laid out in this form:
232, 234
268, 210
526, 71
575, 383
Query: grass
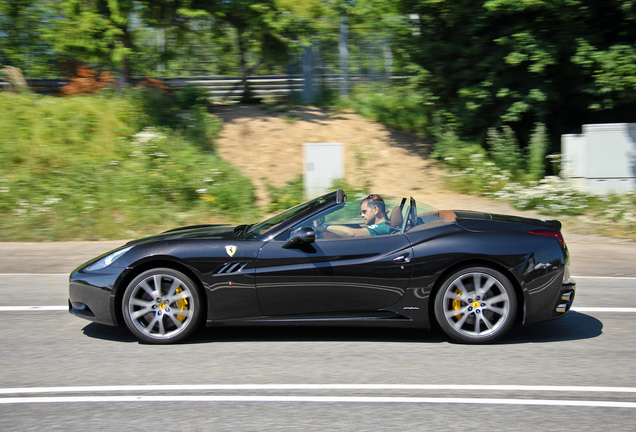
105, 167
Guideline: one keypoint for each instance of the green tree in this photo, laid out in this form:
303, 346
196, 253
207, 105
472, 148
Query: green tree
518, 62
21, 44
164, 18
96, 32
257, 27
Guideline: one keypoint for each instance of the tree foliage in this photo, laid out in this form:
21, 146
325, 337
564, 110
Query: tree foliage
97, 32
256, 28
21, 44
517, 62
478, 65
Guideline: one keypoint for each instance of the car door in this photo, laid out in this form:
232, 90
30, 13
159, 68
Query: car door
333, 276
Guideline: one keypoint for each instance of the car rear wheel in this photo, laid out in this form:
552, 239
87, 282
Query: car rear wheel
476, 305
162, 306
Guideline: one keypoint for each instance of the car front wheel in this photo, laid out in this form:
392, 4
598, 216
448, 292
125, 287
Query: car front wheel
476, 305
162, 306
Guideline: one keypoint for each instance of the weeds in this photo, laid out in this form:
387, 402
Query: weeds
504, 149
293, 193
396, 107
286, 196
551, 195
96, 167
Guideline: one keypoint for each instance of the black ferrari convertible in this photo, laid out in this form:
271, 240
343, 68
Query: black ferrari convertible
473, 274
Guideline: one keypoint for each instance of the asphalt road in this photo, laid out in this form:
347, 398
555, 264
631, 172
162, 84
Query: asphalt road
59, 372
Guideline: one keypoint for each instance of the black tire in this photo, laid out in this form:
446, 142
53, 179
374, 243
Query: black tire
476, 305
162, 306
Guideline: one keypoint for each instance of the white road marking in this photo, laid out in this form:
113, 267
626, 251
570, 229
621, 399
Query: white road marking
605, 277
32, 308
259, 387
604, 309
321, 399
316, 399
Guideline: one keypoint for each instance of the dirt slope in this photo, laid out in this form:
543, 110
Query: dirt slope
267, 146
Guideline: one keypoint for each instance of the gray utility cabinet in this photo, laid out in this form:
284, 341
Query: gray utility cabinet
324, 165
601, 160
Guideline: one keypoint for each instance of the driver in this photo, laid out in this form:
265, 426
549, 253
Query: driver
373, 212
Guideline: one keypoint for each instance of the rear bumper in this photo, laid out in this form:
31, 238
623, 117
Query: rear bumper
566, 295
554, 301
565, 300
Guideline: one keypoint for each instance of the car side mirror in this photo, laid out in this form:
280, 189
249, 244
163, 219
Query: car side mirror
301, 236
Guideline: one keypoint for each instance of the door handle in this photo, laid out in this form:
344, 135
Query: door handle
403, 259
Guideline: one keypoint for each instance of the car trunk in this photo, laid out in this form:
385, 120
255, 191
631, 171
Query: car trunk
479, 221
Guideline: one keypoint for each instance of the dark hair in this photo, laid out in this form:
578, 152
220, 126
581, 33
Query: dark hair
374, 200
373, 197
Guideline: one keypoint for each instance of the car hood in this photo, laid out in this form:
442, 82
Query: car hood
196, 232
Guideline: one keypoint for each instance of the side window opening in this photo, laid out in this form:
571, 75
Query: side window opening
350, 215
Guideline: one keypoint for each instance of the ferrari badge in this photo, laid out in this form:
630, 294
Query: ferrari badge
230, 249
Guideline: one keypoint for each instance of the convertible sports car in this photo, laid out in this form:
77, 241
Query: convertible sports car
473, 274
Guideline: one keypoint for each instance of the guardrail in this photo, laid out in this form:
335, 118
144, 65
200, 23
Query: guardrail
217, 87
231, 88
223, 88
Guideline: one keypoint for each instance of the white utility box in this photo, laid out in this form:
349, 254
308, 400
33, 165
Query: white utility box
601, 160
324, 164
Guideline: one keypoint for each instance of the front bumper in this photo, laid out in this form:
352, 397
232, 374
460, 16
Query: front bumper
92, 296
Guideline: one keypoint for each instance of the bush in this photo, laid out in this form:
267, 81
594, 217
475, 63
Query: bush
286, 196
80, 168
184, 111
551, 195
455, 153
537, 150
192, 96
395, 107
479, 176
504, 149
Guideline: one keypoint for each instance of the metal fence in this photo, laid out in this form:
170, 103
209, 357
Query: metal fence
307, 87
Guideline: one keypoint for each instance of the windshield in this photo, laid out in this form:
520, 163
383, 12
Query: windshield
272, 222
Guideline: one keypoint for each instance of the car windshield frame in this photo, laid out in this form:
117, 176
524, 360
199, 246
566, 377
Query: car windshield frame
277, 224
268, 226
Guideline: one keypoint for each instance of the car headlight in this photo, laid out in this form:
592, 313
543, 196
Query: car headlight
107, 260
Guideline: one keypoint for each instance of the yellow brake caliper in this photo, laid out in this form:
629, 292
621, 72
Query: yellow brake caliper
457, 304
182, 305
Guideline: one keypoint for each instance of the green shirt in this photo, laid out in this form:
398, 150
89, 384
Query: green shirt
383, 228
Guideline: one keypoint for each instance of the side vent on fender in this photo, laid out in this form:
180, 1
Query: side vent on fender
233, 267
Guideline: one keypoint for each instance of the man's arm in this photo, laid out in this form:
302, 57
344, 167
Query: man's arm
345, 231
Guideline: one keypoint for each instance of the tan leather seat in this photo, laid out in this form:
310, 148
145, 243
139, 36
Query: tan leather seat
448, 215
444, 215
396, 217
